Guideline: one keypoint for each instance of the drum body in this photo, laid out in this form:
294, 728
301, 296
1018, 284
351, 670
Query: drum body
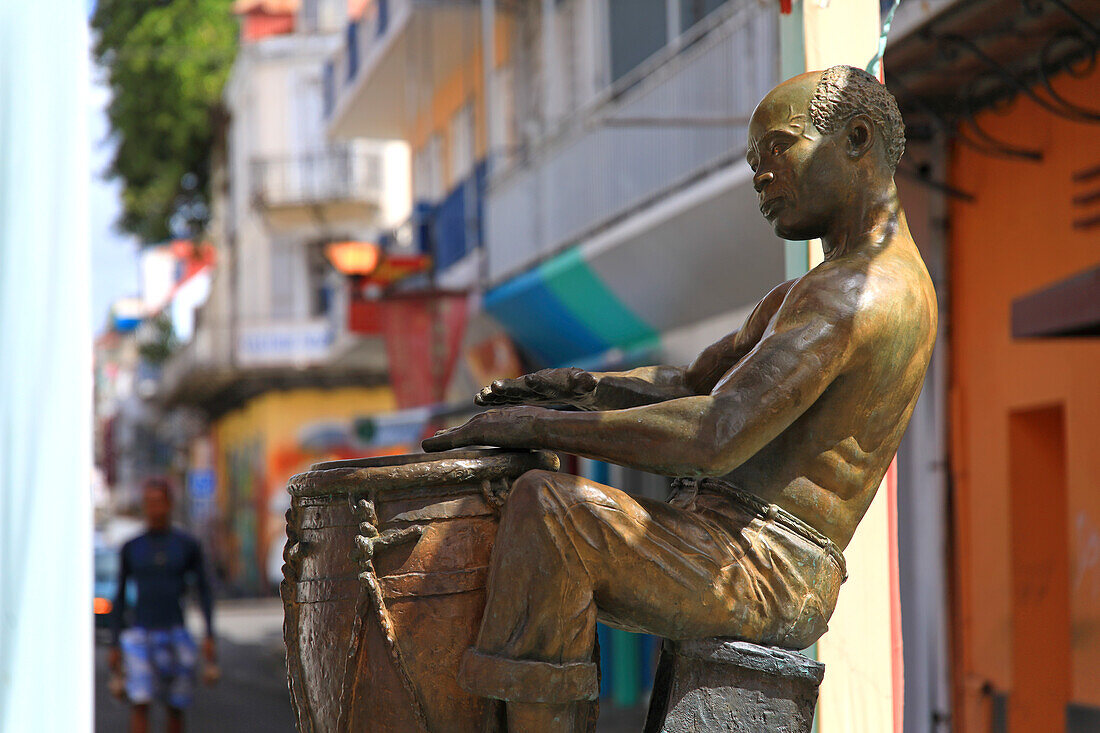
384, 587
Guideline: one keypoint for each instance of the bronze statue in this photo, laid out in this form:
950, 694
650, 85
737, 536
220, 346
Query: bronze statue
781, 433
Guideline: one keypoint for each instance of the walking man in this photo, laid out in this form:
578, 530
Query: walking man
157, 653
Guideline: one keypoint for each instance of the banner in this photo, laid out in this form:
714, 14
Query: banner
423, 333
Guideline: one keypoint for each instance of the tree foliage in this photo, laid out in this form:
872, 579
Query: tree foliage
157, 339
167, 62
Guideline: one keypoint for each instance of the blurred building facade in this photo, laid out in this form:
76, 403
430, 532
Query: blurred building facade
132, 443
273, 376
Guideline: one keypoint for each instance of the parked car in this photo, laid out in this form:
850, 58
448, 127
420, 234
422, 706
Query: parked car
105, 586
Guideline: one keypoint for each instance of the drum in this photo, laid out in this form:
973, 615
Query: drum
384, 586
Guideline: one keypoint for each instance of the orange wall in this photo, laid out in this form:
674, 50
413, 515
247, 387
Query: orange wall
1015, 238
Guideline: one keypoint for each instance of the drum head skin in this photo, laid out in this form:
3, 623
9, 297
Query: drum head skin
404, 460
366, 476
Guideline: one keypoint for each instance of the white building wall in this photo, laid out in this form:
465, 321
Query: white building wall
290, 191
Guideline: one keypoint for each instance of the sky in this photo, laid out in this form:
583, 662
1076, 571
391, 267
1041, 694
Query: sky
114, 255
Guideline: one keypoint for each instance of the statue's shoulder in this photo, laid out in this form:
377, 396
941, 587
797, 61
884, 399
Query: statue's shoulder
831, 289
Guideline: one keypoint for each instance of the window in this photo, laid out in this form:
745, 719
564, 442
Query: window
692, 11
317, 273
638, 29
526, 80
570, 38
428, 170
308, 16
461, 147
502, 122
283, 265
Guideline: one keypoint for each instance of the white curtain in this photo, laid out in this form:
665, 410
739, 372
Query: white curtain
45, 369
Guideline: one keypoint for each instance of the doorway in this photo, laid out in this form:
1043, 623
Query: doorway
1041, 683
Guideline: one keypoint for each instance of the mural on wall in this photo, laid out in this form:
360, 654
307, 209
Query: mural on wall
245, 482
258, 467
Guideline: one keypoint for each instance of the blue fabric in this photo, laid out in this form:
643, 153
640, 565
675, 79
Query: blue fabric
352, 43
159, 665
540, 323
449, 225
161, 564
383, 17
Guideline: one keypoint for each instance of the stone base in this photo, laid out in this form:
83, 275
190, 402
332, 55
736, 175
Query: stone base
720, 685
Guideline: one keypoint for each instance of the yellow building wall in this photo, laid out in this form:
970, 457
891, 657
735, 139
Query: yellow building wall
863, 687
257, 448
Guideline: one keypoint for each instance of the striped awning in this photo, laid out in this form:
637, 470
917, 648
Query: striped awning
620, 294
562, 311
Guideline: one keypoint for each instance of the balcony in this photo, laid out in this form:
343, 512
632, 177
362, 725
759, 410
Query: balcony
200, 370
662, 128
342, 182
366, 79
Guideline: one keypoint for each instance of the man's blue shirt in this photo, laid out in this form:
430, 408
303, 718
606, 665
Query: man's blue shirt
160, 564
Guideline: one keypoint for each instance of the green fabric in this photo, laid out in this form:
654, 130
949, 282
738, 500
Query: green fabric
626, 667
583, 293
796, 259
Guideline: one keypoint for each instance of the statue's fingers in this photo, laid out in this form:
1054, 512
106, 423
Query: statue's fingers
509, 389
444, 440
583, 382
488, 398
545, 385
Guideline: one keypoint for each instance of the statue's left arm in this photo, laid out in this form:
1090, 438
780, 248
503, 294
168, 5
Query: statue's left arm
807, 346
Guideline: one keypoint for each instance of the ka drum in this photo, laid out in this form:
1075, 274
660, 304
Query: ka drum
384, 586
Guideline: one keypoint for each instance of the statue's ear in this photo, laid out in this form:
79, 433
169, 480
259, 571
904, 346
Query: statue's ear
859, 135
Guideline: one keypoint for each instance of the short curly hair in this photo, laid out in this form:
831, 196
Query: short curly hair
844, 92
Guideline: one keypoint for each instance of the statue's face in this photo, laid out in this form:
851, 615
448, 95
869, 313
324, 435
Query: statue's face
801, 175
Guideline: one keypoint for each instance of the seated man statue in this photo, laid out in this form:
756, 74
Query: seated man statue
780, 432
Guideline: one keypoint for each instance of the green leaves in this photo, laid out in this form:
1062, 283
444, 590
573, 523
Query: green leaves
167, 62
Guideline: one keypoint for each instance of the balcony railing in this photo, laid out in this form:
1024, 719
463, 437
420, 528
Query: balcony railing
654, 132
343, 172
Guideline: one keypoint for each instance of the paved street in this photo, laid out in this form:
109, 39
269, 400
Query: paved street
252, 694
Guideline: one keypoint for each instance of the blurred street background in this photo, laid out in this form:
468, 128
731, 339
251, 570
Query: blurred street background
319, 226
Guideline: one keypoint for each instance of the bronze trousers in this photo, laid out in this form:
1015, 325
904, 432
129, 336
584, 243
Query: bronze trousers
713, 561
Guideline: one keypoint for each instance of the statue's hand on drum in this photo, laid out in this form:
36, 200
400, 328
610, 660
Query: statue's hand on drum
570, 387
503, 427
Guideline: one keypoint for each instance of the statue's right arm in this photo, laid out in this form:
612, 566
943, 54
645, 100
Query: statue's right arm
587, 390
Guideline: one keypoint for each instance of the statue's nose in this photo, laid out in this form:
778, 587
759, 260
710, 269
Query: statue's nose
762, 179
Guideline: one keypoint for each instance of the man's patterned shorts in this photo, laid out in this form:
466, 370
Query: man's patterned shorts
160, 665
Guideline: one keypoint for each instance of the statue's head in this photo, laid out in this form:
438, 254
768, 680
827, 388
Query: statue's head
818, 143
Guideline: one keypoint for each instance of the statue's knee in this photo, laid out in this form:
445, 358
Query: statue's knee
532, 487
535, 493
